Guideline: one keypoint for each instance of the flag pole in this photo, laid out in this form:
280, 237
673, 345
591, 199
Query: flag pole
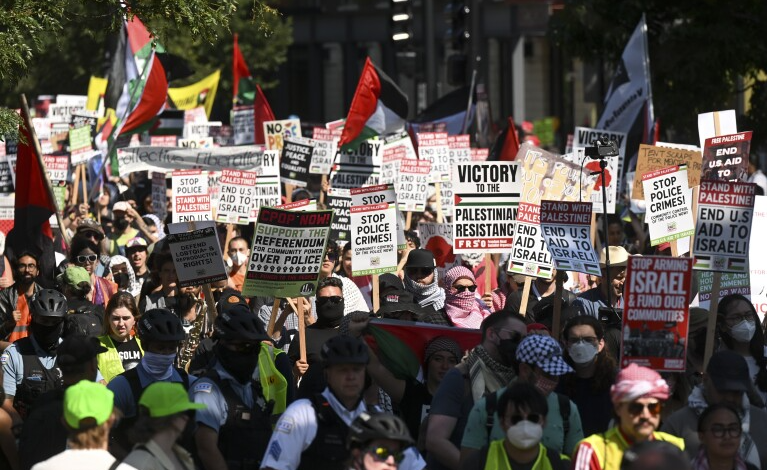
471, 100
39, 157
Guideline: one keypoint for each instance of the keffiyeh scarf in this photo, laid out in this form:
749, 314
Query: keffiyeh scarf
426, 294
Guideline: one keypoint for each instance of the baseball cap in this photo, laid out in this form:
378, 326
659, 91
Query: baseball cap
136, 242
544, 352
121, 206
229, 298
87, 400
420, 258
75, 350
729, 371
74, 275
167, 398
398, 301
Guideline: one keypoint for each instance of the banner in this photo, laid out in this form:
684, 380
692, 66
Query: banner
191, 201
196, 255
159, 195
287, 253
202, 93
566, 227
651, 158
486, 199
530, 254
275, 132
268, 186
656, 313
669, 210
340, 201
237, 190
374, 241
726, 157
166, 159
295, 161
725, 210
432, 146
244, 125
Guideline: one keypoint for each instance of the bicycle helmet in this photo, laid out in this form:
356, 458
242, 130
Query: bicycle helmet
49, 303
239, 323
160, 324
344, 350
368, 427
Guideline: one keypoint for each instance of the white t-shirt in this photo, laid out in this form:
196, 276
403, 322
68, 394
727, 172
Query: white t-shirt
86, 459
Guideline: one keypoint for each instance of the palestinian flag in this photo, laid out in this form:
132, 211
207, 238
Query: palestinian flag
506, 145
247, 92
378, 107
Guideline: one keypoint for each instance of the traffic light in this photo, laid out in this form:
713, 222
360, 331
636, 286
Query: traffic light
458, 32
401, 21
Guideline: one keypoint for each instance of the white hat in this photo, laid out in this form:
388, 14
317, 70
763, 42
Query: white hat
619, 257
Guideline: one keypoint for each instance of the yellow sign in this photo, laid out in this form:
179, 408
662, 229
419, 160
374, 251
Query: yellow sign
197, 94
97, 88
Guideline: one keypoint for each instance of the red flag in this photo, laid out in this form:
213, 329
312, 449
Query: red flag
262, 112
33, 206
510, 143
239, 67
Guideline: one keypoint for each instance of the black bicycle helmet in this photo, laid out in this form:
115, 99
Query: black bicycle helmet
344, 350
160, 324
49, 303
239, 323
368, 427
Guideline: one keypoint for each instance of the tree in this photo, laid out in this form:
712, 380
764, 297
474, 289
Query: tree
54, 46
701, 53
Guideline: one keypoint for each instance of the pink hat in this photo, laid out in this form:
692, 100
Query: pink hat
637, 382
458, 272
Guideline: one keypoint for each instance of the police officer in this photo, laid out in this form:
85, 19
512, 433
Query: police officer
247, 386
312, 433
377, 441
161, 333
29, 363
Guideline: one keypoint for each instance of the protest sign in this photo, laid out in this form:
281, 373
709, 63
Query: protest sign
412, 185
80, 147
295, 161
57, 166
275, 132
159, 195
459, 148
11, 157
268, 186
758, 251
243, 125
165, 159
287, 253
381, 194
6, 180
324, 153
301, 205
340, 201
237, 190
725, 211
486, 198
587, 137
669, 212
438, 238
651, 158
196, 143
373, 226
656, 313
197, 256
397, 148
63, 112
191, 201
725, 157
163, 140
729, 283
549, 176
530, 256
479, 155
566, 227
358, 167
199, 130
716, 123
432, 146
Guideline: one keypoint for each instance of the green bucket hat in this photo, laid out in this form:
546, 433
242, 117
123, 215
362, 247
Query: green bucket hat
74, 275
87, 400
167, 398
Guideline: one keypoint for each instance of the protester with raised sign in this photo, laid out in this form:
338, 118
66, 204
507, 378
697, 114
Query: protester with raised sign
540, 288
462, 303
239, 253
591, 300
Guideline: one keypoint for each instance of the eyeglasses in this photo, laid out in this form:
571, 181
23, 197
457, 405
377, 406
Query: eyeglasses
419, 271
593, 340
82, 259
382, 454
719, 431
27, 267
733, 320
636, 408
93, 235
331, 299
465, 288
532, 417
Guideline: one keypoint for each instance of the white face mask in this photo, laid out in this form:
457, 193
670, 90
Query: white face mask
524, 434
743, 331
582, 352
239, 258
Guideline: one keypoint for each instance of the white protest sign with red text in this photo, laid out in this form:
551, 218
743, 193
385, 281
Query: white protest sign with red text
412, 183
669, 212
530, 255
237, 190
432, 146
191, 201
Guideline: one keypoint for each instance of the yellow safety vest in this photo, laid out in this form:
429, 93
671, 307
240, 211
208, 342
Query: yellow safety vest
274, 385
609, 446
498, 460
110, 364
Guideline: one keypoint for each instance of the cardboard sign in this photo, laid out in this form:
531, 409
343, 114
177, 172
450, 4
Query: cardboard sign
412, 185
549, 176
566, 227
656, 313
243, 125
397, 148
57, 166
197, 256
716, 123
275, 132
268, 186
374, 240
295, 161
191, 201
587, 137
726, 157
486, 199
358, 167
651, 158
159, 195
287, 253
725, 210
165, 159
530, 254
381, 194
432, 146
669, 211
340, 201
237, 190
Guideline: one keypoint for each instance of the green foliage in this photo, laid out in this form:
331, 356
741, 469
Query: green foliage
698, 51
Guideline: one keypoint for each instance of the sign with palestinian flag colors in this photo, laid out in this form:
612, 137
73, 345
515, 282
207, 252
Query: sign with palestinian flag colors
381, 194
486, 199
669, 212
358, 165
725, 157
530, 255
374, 237
566, 227
324, 153
725, 211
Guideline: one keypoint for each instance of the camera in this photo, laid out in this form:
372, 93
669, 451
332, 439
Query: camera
602, 149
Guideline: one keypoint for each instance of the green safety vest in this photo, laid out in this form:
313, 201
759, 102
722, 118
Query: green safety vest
498, 460
110, 364
274, 385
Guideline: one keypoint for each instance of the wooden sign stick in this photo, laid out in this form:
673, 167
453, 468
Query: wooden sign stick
557, 308
437, 191
301, 330
75, 187
711, 325
488, 274
273, 317
376, 295
84, 180
525, 296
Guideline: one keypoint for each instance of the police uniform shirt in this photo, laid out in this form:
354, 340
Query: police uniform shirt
207, 392
13, 365
297, 428
124, 399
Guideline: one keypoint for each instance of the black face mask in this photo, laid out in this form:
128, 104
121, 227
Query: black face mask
240, 365
47, 336
122, 280
121, 224
508, 349
329, 314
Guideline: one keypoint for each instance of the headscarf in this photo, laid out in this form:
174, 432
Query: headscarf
442, 343
158, 223
427, 295
463, 308
134, 288
637, 382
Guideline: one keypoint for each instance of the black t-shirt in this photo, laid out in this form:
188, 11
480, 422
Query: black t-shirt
596, 406
414, 406
129, 352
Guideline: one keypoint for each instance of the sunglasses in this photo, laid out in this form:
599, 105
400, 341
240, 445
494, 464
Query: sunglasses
331, 256
421, 271
382, 454
636, 408
465, 288
532, 417
331, 299
93, 235
82, 259
720, 431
